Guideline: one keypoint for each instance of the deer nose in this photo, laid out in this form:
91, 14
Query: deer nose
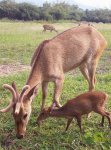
20, 136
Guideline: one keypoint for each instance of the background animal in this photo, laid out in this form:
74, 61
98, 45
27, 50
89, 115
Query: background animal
49, 27
82, 104
77, 47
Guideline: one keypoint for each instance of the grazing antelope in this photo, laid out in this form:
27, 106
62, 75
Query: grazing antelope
50, 28
21, 105
77, 47
82, 104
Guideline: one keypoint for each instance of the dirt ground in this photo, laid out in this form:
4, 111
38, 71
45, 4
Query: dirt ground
6, 70
10, 69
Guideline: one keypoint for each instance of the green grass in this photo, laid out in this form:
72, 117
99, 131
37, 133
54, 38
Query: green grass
51, 135
18, 41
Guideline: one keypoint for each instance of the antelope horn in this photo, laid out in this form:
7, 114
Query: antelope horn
7, 108
6, 86
15, 88
18, 104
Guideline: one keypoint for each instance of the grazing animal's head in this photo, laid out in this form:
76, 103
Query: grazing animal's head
21, 105
45, 113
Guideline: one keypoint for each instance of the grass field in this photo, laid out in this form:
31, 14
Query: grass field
18, 40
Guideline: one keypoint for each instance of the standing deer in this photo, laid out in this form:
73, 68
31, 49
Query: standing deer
50, 28
82, 104
77, 47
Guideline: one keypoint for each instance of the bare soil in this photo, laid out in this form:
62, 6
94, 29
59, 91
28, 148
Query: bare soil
9, 69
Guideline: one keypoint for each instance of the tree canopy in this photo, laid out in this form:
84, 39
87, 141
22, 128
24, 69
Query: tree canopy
25, 11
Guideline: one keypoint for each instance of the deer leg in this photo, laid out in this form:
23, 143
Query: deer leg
102, 122
88, 70
109, 118
68, 123
57, 92
92, 80
104, 114
92, 69
79, 122
84, 70
44, 94
56, 31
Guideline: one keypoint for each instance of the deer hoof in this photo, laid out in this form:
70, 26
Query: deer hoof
58, 105
89, 115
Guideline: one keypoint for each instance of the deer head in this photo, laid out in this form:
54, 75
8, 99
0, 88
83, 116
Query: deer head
45, 113
21, 105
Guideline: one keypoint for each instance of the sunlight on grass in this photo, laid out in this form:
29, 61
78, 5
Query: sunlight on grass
52, 130
18, 41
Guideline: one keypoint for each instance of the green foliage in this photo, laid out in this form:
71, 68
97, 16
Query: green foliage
27, 12
23, 11
100, 15
58, 11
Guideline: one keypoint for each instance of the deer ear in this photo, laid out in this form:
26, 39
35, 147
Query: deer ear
33, 92
25, 115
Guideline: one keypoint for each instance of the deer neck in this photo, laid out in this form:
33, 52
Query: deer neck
35, 76
58, 113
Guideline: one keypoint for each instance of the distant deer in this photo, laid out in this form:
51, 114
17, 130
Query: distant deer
50, 28
85, 23
82, 104
77, 47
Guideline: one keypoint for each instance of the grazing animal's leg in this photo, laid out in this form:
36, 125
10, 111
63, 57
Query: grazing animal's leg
88, 70
56, 31
44, 30
102, 121
109, 118
104, 114
57, 92
79, 122
44, 94
92, 70
85, 72
68, 123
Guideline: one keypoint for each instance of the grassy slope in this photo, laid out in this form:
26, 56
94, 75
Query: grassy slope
17, 43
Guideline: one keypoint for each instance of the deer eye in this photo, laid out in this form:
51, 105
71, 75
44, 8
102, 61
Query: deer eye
25, 115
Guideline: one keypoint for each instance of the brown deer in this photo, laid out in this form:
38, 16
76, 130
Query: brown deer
82, 104
21, 105
50, 28
77, 47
